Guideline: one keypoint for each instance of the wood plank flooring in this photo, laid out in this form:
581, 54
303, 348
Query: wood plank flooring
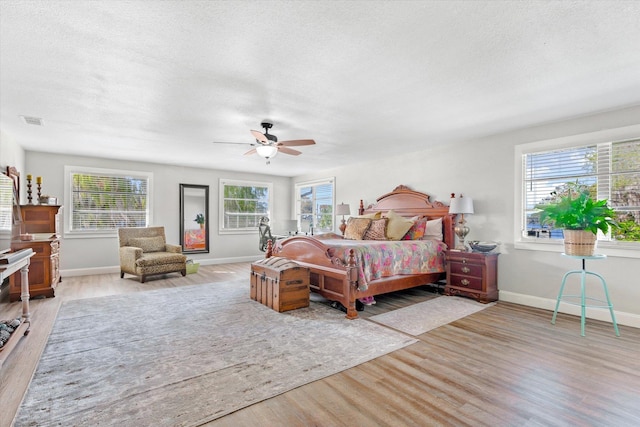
504, 366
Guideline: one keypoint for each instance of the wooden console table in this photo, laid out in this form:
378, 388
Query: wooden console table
18, 261
43, 222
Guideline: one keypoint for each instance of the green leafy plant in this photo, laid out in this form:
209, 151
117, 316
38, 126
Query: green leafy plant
628, 229
199, 219
576, 210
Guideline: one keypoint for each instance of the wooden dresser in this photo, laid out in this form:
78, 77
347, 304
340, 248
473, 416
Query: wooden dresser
44, 272
472, 274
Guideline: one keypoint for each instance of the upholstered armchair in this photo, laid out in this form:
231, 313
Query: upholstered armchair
144, 251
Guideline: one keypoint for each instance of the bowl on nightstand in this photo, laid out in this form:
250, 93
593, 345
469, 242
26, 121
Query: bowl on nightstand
477, 246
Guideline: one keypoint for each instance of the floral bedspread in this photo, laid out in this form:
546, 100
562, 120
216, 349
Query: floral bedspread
376, 259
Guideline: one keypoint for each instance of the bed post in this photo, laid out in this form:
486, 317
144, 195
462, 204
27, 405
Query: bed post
361, 208
449, 235
269, 251
352, 285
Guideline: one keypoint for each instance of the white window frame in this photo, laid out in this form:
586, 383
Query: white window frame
68, 199
241, 183
314, 183
610, 248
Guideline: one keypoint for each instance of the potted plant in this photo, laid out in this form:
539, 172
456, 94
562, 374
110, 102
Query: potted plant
580, 217
200, 220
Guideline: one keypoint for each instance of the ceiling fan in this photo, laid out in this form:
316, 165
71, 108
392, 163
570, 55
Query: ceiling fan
268, 146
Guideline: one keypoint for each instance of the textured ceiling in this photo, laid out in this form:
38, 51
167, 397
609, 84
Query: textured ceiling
158, 81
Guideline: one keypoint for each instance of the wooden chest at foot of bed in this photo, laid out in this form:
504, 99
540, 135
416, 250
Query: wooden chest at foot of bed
280, 284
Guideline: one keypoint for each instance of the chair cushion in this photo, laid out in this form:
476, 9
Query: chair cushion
159, 258
148, 244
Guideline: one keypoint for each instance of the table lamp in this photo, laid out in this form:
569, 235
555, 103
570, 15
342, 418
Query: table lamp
343, 209
461, 205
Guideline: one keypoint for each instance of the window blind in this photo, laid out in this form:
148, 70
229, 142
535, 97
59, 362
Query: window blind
107, 202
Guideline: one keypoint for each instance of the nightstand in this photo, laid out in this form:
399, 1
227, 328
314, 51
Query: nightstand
472, 274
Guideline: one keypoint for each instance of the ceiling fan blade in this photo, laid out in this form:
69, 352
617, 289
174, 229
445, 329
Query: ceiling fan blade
259, 136
252, 151
286, 150
297, 142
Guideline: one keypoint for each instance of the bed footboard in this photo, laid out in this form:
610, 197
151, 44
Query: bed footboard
329, 276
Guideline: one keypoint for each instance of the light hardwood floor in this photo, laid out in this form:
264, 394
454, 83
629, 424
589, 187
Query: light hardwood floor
504, 366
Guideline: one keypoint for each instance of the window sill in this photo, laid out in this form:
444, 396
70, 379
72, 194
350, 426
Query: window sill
612, 249
90, 234
239, 231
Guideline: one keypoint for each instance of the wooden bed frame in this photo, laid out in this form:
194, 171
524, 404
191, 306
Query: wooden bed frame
337, 281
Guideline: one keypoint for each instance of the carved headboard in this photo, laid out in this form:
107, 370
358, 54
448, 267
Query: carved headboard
409, 203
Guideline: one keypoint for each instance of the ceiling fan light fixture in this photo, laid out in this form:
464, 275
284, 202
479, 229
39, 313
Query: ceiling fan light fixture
267, 151
267, 145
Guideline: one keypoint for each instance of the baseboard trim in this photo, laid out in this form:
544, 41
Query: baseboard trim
116, 268
622, 318
214, 261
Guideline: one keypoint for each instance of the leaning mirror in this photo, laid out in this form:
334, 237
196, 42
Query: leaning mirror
194, 218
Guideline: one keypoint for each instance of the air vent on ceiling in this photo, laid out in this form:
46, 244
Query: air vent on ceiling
36, 121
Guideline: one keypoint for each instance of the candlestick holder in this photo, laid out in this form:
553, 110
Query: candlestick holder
29, 198
39, 191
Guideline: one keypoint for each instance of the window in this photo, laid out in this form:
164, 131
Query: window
242, 204
314, 205
102, 200
611, 171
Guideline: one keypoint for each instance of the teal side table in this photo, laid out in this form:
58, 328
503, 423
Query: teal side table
583, 298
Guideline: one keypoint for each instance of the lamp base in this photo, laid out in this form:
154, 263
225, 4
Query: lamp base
343, 226
461, 231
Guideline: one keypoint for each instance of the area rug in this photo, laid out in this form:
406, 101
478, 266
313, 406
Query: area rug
425, 316
186, 356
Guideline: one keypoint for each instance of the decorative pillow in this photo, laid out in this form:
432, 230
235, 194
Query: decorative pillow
377, 230
356, 228
148, 244
416, 231
397, 226
433, 229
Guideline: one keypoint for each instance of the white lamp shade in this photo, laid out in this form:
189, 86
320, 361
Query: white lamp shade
461, 205
266, 151
343, 209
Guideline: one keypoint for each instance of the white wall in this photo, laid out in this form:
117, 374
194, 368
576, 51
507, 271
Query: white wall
100, 255
484, 169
